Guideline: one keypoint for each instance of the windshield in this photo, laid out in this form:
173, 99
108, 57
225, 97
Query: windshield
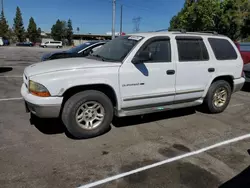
80, 47
118, 48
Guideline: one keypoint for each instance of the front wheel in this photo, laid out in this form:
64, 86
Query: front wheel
218, 96
87, 114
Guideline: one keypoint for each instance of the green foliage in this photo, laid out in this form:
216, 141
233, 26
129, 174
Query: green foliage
32, 30
62, 31
58, 30
18, 26
4, 27
69, 32
229, 17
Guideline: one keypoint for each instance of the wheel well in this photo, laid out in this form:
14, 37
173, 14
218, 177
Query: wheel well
106, 89
228, 78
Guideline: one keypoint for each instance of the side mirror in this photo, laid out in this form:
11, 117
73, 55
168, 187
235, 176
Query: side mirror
142, 57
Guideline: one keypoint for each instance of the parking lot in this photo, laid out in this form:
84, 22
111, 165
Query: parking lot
40, 153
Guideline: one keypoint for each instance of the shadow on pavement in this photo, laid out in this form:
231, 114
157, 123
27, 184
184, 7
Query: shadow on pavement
134, 120
246, 88
51, 126
47, 126
242, 180
5, 69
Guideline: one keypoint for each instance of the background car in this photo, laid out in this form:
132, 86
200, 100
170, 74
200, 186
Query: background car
244, 48
81, 50
52, 44
1, 41
246, 70
25, 44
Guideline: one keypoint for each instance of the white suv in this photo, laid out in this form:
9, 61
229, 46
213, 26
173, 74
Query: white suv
135, 74
52, 44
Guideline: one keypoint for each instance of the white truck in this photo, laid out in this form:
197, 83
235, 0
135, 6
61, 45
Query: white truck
132, 75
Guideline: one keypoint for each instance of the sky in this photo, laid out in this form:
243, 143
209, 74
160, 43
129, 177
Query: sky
95, 16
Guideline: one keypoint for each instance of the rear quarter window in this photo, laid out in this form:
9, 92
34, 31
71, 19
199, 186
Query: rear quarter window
223, 49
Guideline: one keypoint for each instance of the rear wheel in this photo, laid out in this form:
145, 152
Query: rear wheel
218, 96
87, 114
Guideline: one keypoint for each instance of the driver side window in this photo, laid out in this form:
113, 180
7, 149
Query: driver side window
159, 49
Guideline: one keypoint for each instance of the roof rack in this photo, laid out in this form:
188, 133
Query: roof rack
211, 32
180, 30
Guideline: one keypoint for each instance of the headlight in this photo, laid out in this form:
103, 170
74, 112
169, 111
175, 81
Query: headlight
38, 89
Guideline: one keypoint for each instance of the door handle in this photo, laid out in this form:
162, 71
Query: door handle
170, 72
211, 69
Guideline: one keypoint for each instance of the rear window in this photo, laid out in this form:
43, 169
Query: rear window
223, 49
191, 49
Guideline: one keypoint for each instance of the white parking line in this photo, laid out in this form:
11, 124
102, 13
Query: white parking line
112, 178
11, 99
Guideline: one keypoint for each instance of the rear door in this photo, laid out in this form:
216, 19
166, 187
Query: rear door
194, 70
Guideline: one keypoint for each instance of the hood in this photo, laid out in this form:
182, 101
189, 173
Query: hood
66, 64
247, 67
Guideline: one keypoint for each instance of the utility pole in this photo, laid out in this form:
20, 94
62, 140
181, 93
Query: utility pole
2, 6
113, 20
121, 22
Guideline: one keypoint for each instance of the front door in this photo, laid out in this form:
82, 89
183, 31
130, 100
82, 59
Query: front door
150, 83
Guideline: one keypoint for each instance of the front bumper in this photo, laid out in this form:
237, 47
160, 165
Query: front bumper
238, 84
43, 107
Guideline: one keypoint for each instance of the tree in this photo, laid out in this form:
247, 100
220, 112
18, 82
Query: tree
4, 27
58, 30
228, 17
39, 31
77, 29
69, 32
18, 26
32, 30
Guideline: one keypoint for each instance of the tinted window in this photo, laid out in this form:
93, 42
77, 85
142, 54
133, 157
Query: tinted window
160, 50
222, 48
192, 50
54, 42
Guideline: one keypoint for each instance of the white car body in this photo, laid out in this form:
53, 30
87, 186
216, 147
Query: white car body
1, 41
133, 87
52, 44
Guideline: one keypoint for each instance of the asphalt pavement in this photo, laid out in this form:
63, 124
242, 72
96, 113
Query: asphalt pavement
40, 153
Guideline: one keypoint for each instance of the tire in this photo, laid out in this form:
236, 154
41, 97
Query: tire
209, 101
58, 46
45, 46
74, 103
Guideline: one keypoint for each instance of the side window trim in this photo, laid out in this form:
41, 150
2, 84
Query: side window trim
192, 38
155, 39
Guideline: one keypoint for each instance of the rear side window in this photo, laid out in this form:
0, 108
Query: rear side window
222, 48
191, 49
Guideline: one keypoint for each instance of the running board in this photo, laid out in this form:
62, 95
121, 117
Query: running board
133, 112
